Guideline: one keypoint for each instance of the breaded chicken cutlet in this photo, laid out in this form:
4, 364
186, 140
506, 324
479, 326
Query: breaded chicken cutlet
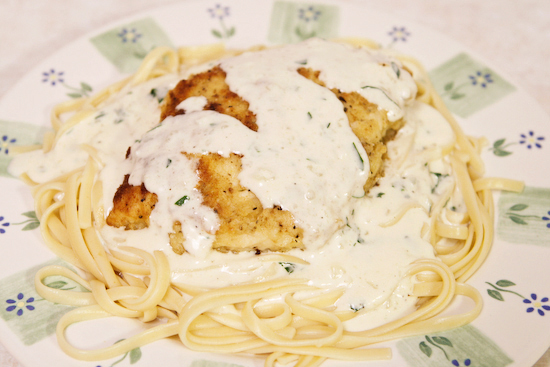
245, 225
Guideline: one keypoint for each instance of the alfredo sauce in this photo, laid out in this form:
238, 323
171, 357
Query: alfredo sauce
304, 157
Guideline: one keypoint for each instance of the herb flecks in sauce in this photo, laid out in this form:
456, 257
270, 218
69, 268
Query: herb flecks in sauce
182, 201
154, 128
154, 93
289, 267
334, 262
360, 157
120, 115
396, 69
440, 177
381, 90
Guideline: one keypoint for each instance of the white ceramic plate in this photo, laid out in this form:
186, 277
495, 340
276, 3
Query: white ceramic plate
514, 327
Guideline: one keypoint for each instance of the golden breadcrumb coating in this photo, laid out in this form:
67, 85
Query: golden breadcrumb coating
244, 224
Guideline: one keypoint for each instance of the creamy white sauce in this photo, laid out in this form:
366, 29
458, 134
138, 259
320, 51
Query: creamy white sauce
304, 157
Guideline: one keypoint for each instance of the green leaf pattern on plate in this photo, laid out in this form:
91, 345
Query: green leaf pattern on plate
13, 134
127, 45
30, 317
296, 21
529, 140
464, 346
524, 218
221, 12
467, 87
533, 302
30, 223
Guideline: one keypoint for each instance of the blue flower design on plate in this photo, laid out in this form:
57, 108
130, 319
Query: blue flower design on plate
481, 78
129, 35
531, 140
219, 11
308, 14
53, 77
4, 224
545, 218
5, 144
536, 304
19, 304
456, 363
399, 34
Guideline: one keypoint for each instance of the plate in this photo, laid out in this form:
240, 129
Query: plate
513, 328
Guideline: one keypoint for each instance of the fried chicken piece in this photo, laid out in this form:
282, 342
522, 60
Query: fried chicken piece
177, 238
210, 84
132, 206
369, 123
245, 225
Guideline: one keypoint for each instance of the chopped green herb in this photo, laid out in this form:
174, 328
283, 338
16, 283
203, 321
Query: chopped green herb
156, 127
381, 90
439, 176
169, 162
380, 194
120, 114
359, 197
328, 125
302, 62
182, 201
356, 308
100, 115
396, 69
154, 93
137, 141
289, 267
309, 114
360, 158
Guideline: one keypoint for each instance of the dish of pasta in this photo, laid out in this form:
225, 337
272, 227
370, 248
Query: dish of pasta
280, 203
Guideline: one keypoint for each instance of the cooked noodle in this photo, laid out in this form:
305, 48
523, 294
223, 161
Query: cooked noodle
132, 283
